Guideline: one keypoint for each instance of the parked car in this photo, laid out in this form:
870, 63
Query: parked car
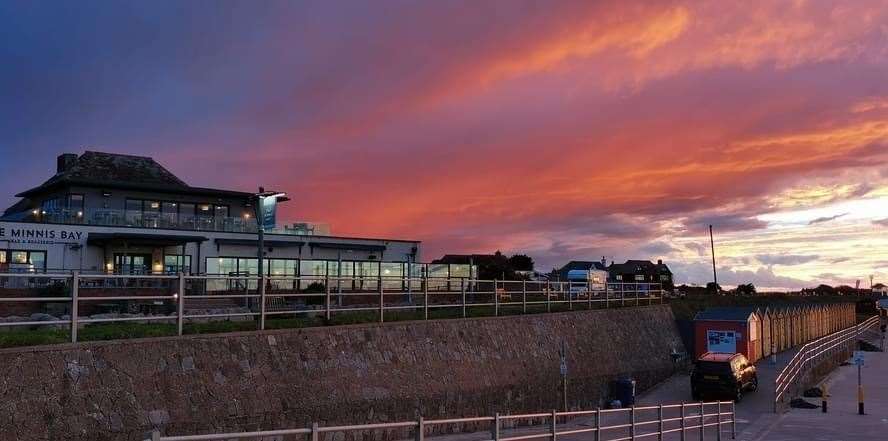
724, 375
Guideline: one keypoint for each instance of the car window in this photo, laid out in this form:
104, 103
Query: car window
713, 367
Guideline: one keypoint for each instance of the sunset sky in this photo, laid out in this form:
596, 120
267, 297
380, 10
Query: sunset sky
564, 130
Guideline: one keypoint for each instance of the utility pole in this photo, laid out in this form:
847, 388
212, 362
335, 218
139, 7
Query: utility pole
714, 273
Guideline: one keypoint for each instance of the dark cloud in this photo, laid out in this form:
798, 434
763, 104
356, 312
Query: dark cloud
821, 220
786, 259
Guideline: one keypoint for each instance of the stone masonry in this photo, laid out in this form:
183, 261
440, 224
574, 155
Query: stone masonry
335, 375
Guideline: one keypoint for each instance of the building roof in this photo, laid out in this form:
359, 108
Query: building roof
636, 266
739, 314
113, 170
463, 259
584, 265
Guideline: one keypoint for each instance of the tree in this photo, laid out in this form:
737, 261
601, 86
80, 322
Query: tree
521, 262
746, 290
713, 288
496, 267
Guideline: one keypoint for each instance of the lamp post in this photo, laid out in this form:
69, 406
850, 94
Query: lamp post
264, 218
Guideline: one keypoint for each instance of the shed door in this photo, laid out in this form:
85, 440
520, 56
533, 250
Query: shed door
721, 341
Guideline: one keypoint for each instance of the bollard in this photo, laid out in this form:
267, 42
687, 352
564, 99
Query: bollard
597, 424
823, 398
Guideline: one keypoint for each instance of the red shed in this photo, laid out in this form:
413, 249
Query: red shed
728, 330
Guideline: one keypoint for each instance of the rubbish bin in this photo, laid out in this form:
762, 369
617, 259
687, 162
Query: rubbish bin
625, 391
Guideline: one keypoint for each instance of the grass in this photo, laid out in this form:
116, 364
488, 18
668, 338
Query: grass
684, 308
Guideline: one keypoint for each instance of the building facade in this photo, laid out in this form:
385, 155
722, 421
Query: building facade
121, 214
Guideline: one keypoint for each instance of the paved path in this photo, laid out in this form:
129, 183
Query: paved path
842, 423
754, 406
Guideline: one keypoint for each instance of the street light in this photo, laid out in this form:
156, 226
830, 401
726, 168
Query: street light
261, 218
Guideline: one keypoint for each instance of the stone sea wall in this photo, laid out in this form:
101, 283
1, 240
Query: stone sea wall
333, 375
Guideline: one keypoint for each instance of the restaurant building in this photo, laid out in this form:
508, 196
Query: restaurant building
121, 214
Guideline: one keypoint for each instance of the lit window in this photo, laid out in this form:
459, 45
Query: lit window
619, 277
639, 277
2, 256
20, 257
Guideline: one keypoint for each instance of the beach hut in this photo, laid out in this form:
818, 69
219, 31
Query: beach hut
765, 316
728, 330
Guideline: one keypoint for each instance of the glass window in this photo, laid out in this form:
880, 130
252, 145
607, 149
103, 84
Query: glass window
37, 259
75, 203
639, 277
457, 271
169, 213
186, 214
619, 277
2, 256
50, 205
133, 211
204, 210
20, 257
173, 263
221, 211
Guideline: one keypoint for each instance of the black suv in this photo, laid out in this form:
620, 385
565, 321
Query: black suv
723, 375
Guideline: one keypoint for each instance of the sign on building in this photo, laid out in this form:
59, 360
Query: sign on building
721, 341
267, 208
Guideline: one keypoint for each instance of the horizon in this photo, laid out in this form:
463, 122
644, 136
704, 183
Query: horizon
619, 129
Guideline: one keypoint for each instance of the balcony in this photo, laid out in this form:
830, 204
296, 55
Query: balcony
122, 218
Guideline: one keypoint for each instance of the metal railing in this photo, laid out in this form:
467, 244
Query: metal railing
688, 420
209, 222
814, 352
263, 297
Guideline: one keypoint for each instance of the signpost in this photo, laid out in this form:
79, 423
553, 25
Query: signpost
858, 360
564, 373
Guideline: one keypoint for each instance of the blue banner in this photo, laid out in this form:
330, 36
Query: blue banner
267, 208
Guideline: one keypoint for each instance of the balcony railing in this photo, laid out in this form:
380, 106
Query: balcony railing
123, 218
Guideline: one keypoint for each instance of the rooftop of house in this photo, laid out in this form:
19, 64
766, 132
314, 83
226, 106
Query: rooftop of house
584, 265
114, 170
463, 259
633, 266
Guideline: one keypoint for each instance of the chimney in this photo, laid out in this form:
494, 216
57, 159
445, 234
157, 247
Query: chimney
65, 161
659, 261
603, 261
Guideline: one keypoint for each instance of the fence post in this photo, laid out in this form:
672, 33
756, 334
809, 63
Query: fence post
636, 293
462, 289
495, 433
570, 305
549, 299
554, 424
606, 295
327, 300
622, 294
660, 422
718, 436
597, 424
420, 429
315, 434
381, 298
632, 423
495, 300
524, 295
75, 288
180, 306
262, 301
682, 425
589, 296
425, 294
702, 421
733, 420
155, 435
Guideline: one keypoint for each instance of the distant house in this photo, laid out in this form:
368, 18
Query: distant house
583, 265
880, 288
640, 271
